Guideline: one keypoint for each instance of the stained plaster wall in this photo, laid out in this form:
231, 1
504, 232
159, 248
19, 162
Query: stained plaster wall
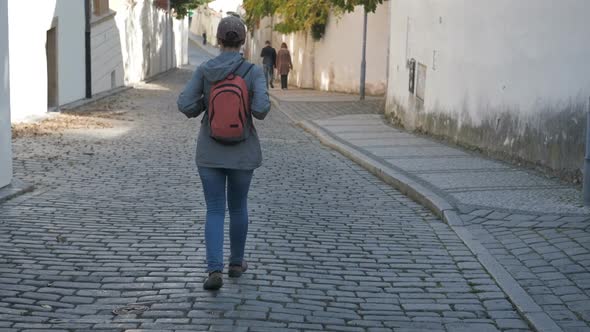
510, 78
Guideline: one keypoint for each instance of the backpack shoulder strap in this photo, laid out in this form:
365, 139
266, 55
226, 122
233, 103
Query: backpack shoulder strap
238, 67
249, 68
243, 76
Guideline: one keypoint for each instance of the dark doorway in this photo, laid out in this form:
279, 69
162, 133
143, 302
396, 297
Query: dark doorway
52, 69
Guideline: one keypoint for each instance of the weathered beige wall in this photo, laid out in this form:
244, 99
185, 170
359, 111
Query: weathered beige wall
334, 62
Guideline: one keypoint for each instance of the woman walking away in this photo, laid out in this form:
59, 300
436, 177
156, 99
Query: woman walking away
229, 91
284, 64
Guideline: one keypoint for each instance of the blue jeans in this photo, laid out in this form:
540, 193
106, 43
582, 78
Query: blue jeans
269, 74
214, 186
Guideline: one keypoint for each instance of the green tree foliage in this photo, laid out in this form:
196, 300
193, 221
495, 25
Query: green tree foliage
182, 7
348, 5
302, 15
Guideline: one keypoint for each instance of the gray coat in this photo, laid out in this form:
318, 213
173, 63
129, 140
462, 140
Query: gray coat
245, 155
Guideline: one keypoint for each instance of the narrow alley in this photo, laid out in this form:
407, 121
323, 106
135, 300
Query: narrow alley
111, 239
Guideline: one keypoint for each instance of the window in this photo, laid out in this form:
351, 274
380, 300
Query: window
100, 7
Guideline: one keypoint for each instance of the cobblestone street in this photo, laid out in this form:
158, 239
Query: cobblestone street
111, 239
535, 243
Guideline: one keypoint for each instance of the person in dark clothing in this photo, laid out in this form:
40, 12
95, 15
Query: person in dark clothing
204, 38
284, 65
269, 60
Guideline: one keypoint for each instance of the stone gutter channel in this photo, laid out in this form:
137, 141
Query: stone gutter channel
403, 182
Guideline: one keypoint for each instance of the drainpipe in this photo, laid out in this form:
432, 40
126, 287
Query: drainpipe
168, 57
587, 161
388, 50
364, 60
88, 15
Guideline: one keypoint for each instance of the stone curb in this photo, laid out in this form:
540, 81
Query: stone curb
14, 189
155, 77
277, 103
523, 302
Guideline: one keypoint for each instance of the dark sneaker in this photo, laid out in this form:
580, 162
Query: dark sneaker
235, 271
214, 281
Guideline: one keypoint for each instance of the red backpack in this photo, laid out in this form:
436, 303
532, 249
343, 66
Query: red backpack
229, 109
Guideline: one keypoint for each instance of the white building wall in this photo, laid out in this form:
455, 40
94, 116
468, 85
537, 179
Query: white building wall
338, 55
225, 5
510, 77
148, 47
28, 70
132, 44
181, 31
106, 54
5, 134
135, 45
71, 54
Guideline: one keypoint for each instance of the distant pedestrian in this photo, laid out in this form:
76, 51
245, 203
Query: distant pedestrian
269, 60
204, 38
228, 148
284, 65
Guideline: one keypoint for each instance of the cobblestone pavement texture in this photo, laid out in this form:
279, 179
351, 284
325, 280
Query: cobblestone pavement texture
112, 238
324, 107
548, 254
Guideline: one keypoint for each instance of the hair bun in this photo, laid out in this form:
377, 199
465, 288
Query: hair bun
231, 36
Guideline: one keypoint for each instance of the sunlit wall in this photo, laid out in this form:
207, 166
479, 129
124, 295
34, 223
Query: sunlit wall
5, 146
